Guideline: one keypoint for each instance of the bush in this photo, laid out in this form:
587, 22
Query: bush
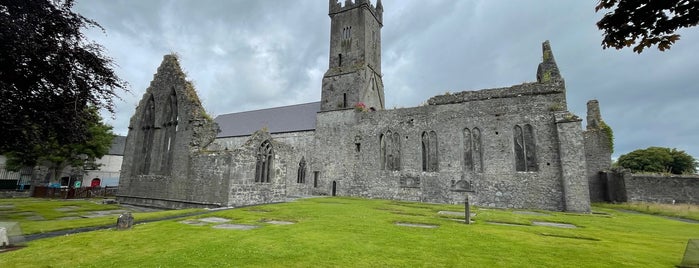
660, 160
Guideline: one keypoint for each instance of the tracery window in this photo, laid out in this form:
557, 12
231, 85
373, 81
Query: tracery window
473, 155
147, 129
263, 166
170, 118
390, 151
525, 149
430, 157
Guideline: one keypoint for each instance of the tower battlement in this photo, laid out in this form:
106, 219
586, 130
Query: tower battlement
336, 6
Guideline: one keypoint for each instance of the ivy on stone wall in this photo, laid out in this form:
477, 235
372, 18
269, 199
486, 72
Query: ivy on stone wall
610, 135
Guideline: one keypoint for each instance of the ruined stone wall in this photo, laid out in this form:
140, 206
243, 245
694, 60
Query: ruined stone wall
168, 129
572, 156
598, 152
627, 187
348, 149
301, 139
244, 190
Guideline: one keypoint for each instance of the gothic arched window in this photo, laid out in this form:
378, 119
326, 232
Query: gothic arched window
430, 156
263, 166
525, 149
301, 175
390, 151
170, 118
477, 150
147, 128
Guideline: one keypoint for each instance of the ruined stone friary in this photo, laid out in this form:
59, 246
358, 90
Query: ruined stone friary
514, 147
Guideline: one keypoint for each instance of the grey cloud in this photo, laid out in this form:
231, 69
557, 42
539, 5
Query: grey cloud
256, 54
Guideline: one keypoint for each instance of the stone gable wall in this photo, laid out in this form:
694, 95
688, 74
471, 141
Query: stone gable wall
167, 183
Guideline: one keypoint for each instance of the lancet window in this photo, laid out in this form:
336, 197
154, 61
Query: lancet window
430, 156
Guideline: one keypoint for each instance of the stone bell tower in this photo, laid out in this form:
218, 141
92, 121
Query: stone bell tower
354, 71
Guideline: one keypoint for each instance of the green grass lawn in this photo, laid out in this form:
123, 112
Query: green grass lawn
686, 211
348, 232
52, 210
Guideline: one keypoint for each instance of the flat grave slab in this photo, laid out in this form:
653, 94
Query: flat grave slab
280, 222
554, 224
455, 213
103, 213
418, 225
35, 218
214, 220
231, 226
69, 218
67, 208
193, 222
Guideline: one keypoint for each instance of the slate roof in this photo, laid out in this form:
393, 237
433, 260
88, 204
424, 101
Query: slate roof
118, 144
293, 118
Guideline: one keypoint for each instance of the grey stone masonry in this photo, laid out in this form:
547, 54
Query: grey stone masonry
168, 128
354, 69
575, 185
656, 188
598, 151
511, 147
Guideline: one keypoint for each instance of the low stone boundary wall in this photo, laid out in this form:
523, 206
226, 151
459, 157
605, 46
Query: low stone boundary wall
627, 187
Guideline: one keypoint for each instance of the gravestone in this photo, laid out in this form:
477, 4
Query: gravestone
125, 221
464, 186
4, 241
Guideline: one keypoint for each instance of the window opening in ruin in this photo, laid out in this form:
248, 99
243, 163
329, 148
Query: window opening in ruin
430, 162
344, 100
358, 147
301, 175
316, 174
263, 165
390, 151
143, 161
339, 62
467, 148
477, 150
170, 127
525, 149
334, 188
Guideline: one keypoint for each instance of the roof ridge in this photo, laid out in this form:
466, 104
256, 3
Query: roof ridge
271, 108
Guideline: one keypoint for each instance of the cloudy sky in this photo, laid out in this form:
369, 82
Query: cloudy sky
253, 54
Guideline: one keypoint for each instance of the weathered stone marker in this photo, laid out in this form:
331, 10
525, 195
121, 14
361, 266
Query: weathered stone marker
125, 221
464, 186
4, 240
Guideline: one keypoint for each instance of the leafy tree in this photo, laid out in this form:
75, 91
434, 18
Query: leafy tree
646, 22
57, 156
49, 75
659, 159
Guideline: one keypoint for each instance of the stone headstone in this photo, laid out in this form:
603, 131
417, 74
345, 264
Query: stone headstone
125, 221
4, 240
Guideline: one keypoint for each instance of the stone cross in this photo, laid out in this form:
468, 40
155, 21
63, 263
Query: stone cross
125, 221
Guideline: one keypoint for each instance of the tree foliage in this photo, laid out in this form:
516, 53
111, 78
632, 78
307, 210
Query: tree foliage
644, 23
49, 75
57, 156
660, 160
